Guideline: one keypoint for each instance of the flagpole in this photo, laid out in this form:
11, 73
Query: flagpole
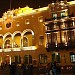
10, 4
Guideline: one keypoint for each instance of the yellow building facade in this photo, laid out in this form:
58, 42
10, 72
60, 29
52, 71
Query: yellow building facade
23, 36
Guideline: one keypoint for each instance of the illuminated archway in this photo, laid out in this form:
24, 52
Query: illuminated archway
25, 41
8, 59
29, 34
17, 39
7, 38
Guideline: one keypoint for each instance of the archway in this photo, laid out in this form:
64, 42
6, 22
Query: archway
8, 59
27, 37
17, 40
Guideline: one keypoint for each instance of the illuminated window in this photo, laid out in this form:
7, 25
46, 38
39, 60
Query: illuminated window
41, 39
54, 16
27, 21
40, 19
62, 14
25, 42
56, 57
72, 56
15, 45
48, 38
48, 28
54, 37
71, 36
42, 58
7, 44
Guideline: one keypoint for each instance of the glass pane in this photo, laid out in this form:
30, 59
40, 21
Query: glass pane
42, 58
54, 16
72, 58
55, 57
27, 59
17, 59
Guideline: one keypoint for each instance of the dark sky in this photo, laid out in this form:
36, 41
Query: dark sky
5, 4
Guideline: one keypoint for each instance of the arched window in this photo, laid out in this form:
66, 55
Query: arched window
55, 57
17, 40
7, 44
27, 39
25, 42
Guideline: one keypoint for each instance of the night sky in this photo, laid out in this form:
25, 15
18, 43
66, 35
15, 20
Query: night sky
5, 4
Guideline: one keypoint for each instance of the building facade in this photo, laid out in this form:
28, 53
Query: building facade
40, 35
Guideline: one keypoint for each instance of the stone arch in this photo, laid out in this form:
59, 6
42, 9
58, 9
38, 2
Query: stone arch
7, 35
27, 31
7, 38
7, 59
16, 33
30, 36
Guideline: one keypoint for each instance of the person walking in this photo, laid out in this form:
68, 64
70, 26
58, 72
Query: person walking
58, 69
54, 68
13, 68
49, 69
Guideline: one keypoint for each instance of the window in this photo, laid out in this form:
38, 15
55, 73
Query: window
25, 42
40, 19
62, 14
64, 37
54, 16
48, 28
28, 39
71, 37
27, 59
56, 57
7, 44
27, 21
72, 56
41, 38
48, 38
17, 59
54, 37
42, 58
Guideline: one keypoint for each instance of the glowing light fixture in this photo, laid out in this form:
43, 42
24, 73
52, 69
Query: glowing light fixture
0, 27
